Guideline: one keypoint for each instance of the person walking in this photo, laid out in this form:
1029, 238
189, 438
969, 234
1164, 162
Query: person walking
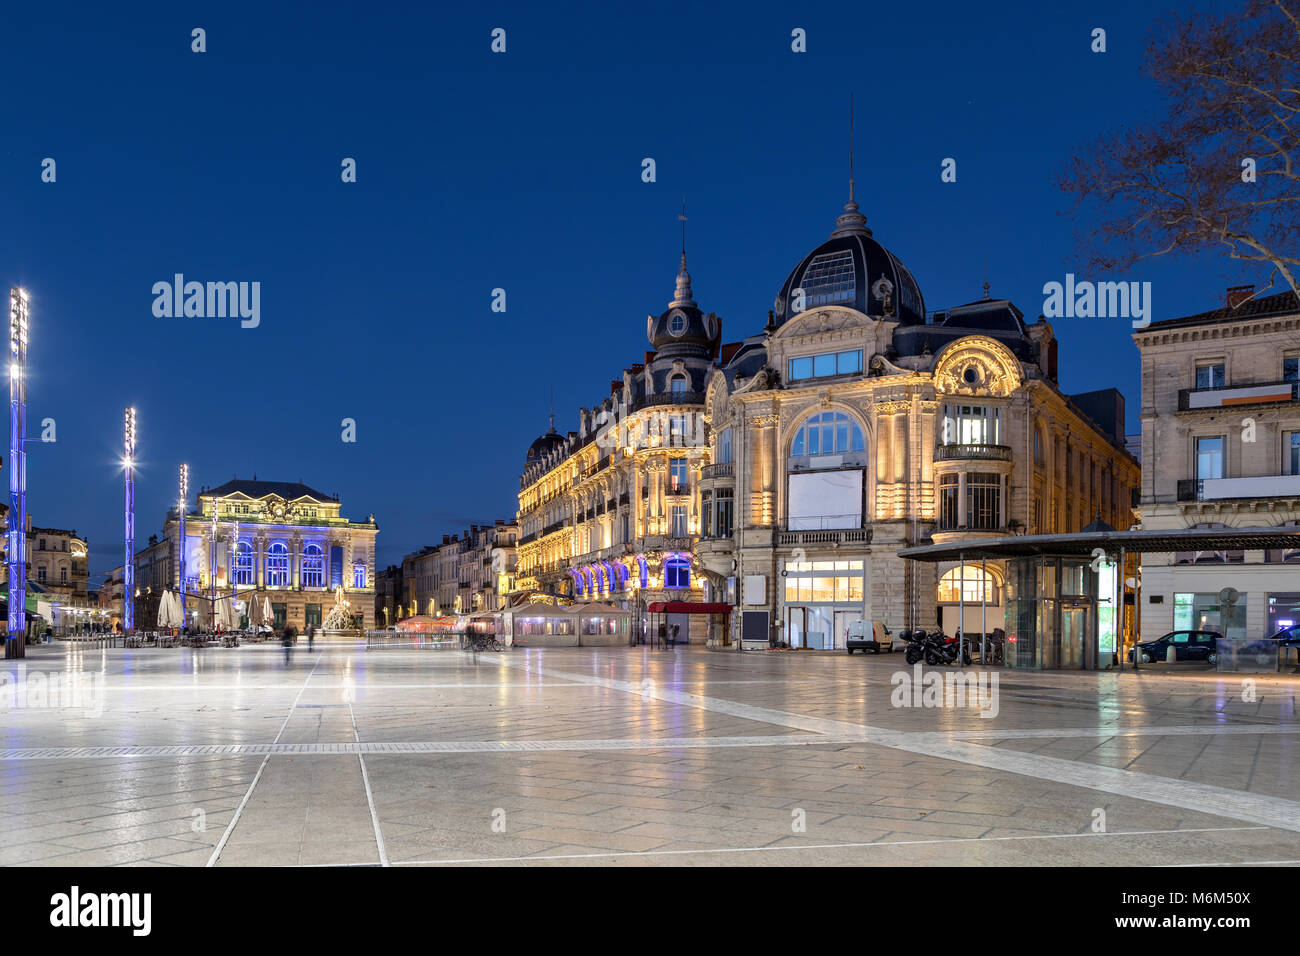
311, 638
287, 641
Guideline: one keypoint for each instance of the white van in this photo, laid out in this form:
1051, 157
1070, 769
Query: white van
880, 638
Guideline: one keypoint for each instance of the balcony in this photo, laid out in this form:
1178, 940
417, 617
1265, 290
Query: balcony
1219, 489
667, 398
844, 536
1227, 396
723, 469
972, 453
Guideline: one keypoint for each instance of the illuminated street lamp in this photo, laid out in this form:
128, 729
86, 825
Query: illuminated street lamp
128, 446
184, 505
16, 639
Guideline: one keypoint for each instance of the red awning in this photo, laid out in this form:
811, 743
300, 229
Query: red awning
688, 607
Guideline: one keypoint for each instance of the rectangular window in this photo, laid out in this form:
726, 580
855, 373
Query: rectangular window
947, 502
725, 502
1201, 611
983, 495
678, 529
677, 476
359, 576
1209, 457
1210, 375
1291, 369
826, 365
706, 514
724, 446
1291, 453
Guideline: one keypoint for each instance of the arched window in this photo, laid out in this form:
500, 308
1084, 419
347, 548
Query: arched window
277, 566
677, 573
313, 566
828, 433
969, 584
243, 563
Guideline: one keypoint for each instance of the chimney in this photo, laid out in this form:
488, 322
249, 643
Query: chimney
1237, 294
446, 539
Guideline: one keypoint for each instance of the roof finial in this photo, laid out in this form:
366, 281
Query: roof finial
851, 221
986, 282
850, 147
552, 409
682, 295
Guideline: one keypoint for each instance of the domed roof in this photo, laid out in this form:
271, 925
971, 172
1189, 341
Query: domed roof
544, 445
683, 328
847, 269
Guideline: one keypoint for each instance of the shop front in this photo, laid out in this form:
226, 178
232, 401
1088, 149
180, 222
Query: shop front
821, 600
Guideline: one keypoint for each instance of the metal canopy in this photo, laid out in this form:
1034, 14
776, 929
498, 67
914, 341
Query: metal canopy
1083, 543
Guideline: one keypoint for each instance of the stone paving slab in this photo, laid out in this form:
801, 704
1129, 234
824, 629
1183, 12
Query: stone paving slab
619, 756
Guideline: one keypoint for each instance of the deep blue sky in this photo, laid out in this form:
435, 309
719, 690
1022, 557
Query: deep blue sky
520, 171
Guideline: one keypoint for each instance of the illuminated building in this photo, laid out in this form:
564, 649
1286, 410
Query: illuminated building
283, 541
611, 512
781, 474
858, 424
465, 574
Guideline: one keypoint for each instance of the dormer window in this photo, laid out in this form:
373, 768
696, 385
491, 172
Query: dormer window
677, 323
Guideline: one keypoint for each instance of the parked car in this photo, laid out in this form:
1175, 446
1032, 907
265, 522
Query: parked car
1187, 645
1289, 636
880, 638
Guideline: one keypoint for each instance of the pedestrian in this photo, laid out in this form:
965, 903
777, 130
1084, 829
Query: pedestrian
311, 638
287, 640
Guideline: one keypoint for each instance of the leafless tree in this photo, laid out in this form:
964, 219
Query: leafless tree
1222, 168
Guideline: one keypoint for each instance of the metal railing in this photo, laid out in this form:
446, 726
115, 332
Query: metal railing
973, 452
722, 469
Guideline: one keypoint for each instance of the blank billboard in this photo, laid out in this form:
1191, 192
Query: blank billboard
825, 499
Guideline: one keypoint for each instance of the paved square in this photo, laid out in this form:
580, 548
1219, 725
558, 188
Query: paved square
405, 756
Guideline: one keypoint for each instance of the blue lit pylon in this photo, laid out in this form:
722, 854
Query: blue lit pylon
128, 590
185, 500
16, 641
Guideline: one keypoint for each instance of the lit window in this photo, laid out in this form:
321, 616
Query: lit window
678, 386
677, 573
677, 475
313, 567
358, 575
826, 365
244, 563
828, 433
277, 566
969, 584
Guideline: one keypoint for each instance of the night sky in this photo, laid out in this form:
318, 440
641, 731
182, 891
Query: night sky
520, 171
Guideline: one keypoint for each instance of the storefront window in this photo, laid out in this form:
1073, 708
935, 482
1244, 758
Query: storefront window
1283, 610
973, 586
1201, 611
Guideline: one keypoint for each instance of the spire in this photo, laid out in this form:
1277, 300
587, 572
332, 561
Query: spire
986, 283
683, 295
851, 221
551, 431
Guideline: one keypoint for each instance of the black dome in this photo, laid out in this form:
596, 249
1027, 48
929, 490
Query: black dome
846, 269
544, 446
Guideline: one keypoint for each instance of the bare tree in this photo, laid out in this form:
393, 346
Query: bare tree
1222, 169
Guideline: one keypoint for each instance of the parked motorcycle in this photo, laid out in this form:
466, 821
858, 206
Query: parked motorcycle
916, 643
942, 649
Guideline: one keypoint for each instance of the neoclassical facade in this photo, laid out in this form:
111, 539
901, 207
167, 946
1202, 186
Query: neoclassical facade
857, 425
781, 474
283, 540
610, 512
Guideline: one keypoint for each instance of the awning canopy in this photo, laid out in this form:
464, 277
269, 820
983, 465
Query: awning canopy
688, 607
1084, 542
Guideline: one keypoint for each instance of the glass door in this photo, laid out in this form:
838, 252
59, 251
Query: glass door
1074, 637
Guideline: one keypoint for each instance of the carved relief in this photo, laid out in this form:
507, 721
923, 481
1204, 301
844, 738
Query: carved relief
977, 365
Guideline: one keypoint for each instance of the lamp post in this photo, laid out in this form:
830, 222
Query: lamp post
16, 639
128, 445
184, 504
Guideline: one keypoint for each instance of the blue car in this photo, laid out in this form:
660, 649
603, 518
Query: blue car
1187, 645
